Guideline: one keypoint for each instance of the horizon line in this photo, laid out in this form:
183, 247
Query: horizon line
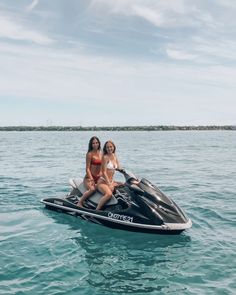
109, 126
116, 128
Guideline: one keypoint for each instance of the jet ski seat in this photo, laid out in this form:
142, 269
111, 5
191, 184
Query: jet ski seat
95, 198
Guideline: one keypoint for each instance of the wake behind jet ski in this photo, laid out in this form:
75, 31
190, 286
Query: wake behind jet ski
138, 205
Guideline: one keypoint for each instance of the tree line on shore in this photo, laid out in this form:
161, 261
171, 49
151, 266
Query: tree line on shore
116, 128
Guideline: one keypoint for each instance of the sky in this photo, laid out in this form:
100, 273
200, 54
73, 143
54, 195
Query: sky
117, 62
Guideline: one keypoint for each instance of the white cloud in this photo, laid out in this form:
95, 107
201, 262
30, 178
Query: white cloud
32, 5
214, 50
179, 55
55, 74
163, 13
13, 30
227, 3
118, 67
154, 17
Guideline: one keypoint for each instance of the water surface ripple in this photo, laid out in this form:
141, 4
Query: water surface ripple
44, 252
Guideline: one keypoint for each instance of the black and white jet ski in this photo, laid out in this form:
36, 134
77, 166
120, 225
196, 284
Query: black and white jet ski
138, 205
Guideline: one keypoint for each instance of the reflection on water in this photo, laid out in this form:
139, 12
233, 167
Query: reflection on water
125, 262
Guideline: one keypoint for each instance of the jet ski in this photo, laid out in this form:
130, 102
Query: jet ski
137, 205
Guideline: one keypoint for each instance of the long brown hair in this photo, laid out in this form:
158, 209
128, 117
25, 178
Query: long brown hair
90, 145
105, 147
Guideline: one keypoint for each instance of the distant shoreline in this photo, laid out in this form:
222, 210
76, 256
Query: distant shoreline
117, 128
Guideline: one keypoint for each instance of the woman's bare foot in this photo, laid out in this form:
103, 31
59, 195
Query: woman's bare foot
80, 204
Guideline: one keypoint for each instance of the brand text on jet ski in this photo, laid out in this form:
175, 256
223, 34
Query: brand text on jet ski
120, 217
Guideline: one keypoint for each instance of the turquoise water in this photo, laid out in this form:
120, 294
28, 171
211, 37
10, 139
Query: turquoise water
45, 252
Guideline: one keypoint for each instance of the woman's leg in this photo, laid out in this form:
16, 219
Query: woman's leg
107, 193
90, 186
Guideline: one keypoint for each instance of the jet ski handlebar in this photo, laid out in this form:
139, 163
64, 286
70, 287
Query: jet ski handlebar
129, 176
122, 170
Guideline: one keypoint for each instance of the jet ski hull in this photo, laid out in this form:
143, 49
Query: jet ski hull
116, 220
137, 206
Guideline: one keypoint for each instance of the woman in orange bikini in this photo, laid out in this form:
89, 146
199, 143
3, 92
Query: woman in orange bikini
106, 184
93, 168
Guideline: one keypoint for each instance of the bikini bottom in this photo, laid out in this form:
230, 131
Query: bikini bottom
95, 178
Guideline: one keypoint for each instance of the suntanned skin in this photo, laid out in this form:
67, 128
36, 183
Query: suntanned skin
106, 184
91, 171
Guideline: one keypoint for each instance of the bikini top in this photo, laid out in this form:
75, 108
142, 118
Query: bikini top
111, 165
96, 162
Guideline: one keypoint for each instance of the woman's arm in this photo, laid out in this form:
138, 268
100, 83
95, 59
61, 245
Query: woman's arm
88, 164
104, 169
118, 163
